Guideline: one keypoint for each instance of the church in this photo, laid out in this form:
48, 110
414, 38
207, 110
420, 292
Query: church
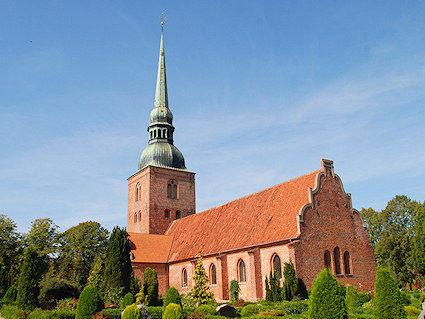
308, 220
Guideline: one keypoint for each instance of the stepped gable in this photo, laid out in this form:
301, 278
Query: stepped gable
150, 248
260, 218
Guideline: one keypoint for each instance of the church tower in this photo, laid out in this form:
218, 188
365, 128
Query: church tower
162, 189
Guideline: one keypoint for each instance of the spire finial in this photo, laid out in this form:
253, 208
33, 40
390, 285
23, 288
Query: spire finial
162, 21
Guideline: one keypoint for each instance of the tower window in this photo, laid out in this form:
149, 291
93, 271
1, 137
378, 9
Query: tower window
167, 213
277, 266
337, 260
135, 217
241, 271
213, 275
184, 277
347, 263
172, 189
178, 214
138, 192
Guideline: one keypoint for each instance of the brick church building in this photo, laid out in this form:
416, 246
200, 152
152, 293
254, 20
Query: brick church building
308, 220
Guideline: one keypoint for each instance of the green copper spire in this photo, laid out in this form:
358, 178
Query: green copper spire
161, 95
161, 151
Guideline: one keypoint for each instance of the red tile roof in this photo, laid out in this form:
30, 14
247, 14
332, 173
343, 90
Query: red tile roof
267, 216
150, 248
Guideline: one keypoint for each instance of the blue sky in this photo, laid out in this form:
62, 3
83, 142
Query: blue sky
260, 92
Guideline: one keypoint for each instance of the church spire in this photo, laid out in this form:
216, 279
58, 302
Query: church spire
161, 95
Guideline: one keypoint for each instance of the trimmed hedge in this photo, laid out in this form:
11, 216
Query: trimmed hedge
250, 310
89, 303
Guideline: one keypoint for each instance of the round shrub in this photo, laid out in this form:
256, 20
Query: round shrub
56, 289
89, 303
250, 310
412, 311
206, 310
10, 295
173, 311
172, 296
127, 300
132, 312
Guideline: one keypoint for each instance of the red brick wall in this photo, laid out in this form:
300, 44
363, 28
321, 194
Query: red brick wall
328, 223
154, 200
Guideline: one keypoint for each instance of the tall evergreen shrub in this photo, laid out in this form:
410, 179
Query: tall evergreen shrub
290, 285
419, 243
117, 261
10, 295
201, 292
89, 303
387, 302
273, 290
234, 290
28, 284
150, 287
172, 296
301, 291
327, 299
96, 275
3, 280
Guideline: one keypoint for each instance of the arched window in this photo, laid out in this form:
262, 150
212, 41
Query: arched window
140, 216
347, 263
241, 271
135, 217
337, 260
184, 277
172, 189
167, 213
277, 266
178, 214
327, 259
138, 190
213, 275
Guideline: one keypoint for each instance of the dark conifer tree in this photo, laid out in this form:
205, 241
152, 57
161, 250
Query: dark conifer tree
150, 287
118, 268
290, 285
28, 284
387, 302
419, 243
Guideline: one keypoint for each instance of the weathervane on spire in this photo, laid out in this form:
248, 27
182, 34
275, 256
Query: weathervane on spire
162, 20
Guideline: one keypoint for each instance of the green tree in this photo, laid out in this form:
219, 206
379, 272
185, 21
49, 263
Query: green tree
150, 287
28, 285
3, 280
127, 300
89, 303
173, 311
327, 299
301, 291
201, 292
135, 284
10, 295
10, 246
172, 296
234, 290
273, 290
387, 302
391, 232
96, 276
352, 299
419, 243
290, 285
80, 247
43, 237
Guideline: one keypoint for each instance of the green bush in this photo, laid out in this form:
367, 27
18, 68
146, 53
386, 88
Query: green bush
10, 295
51, 314
127, 300
206, 310
387, 303
89, 303
112, 313
295, 307
150, 287
113, 295
131, 312
173, 311
13, 312
301, 291
234, 290
172, 296
250, 310
327, 297
68, 304
412, 311
156, 311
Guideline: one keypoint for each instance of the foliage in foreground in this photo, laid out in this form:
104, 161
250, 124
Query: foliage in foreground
131, 312
327, 297
89, 303
234, 290
387, 301
172, 296
173, 311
